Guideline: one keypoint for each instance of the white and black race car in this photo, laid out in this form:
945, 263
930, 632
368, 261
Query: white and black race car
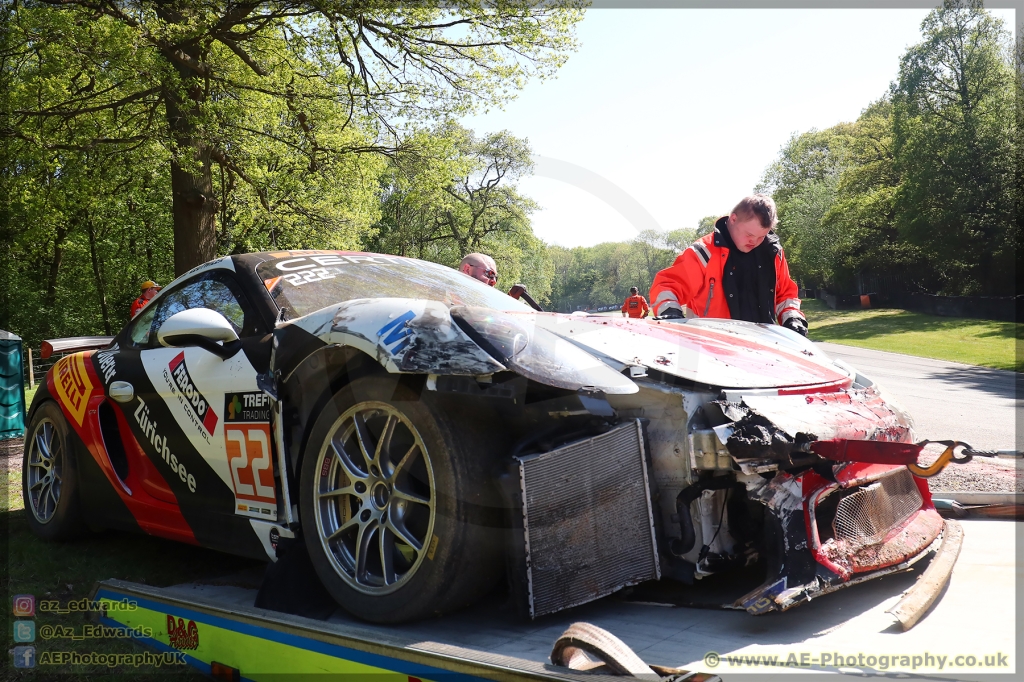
423, 434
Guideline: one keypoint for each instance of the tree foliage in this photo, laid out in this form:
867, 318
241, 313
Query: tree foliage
275, 95
922, 184
953, 134
601, 275
140, 138
458, 198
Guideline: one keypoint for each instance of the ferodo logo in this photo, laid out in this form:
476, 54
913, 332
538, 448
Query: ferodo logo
182, 635
194, 400
73, 384
159, 443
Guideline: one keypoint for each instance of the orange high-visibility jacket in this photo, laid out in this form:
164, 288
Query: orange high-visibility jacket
695, 280
635, 306
138, 305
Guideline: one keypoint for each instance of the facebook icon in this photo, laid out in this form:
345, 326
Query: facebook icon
24, 657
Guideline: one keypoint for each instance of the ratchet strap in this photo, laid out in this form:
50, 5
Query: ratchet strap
885, 452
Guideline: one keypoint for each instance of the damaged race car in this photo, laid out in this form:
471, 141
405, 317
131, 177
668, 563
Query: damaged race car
421, 434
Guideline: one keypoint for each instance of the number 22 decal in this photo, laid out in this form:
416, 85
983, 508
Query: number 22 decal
306, 276
248, 448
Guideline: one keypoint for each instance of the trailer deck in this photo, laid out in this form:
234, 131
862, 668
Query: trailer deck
490, 641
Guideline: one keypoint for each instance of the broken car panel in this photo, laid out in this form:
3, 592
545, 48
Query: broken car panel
420, 433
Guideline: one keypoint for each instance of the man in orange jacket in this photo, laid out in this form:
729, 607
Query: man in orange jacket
149, 290
739, 271
635, 305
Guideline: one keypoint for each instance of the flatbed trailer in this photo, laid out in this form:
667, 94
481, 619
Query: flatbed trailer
490, 641
221, 635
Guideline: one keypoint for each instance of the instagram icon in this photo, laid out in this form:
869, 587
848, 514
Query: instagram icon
24, 605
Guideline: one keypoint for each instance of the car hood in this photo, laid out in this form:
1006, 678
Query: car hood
719, 353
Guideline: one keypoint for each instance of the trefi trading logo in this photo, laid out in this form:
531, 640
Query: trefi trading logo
73, 385
247, 442
196, 406
182, 635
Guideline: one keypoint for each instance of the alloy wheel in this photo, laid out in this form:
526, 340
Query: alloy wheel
45, 468
374, 498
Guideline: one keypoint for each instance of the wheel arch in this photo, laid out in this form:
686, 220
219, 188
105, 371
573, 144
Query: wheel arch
312, 382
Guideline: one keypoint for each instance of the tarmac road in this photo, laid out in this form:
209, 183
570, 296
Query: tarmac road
948, 400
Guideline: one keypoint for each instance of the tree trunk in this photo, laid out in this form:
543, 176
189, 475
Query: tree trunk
51, 281
97, 273
193, 202
194, 210
50, 298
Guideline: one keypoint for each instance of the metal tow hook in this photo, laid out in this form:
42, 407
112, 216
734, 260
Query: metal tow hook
949, 456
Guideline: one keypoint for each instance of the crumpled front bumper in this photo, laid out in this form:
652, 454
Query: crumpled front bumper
828, 524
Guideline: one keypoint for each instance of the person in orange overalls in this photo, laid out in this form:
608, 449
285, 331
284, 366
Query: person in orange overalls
149, 289
635, 305
738, 272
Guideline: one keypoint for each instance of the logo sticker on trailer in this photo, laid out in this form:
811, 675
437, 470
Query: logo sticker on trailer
247, 442
182, 635
196, 406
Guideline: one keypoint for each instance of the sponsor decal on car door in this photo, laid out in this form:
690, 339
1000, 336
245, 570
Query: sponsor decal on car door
247, 444
73, 385
191, 382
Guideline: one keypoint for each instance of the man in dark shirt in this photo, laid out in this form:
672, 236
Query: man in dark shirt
740, 280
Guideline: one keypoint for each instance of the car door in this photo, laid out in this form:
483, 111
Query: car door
201, 419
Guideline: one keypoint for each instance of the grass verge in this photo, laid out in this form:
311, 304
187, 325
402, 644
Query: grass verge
66, 571
988, 343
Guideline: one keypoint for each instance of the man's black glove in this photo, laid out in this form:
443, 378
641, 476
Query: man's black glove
796, 324
671, 314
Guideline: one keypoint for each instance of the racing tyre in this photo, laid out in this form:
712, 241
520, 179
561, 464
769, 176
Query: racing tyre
391, 506
49, 476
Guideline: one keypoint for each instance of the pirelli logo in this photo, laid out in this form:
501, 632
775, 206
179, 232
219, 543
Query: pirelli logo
73, 385
194, 401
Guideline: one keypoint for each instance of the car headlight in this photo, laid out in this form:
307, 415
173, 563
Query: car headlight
536, 353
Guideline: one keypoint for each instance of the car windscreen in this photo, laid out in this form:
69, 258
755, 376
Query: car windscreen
300, 285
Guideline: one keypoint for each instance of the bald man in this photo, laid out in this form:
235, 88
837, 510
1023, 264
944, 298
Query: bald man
480, 266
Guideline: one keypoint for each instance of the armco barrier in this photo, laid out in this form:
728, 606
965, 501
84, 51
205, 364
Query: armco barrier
1003, 308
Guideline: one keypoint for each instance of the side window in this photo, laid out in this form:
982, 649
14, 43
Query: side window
213, 291
141, 326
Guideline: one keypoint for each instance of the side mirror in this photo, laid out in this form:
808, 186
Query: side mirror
199, 327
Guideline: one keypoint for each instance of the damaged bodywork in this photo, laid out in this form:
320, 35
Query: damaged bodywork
421, 434
761, 449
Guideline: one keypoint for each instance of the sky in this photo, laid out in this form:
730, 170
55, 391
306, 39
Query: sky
664, 116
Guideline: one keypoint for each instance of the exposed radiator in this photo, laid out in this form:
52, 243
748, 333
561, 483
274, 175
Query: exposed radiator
587, 520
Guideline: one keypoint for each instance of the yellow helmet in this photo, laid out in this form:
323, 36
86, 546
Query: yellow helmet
150, 283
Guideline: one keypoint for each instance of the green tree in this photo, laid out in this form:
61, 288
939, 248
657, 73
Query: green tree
804, 181
953, 139
214, 84
456, 193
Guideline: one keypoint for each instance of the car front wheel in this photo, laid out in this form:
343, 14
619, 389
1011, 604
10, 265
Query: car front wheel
390, 507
